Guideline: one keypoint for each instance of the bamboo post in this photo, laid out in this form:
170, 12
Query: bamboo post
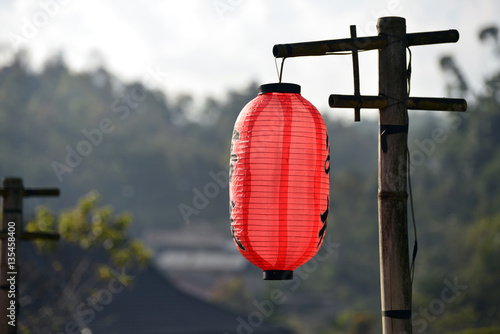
11, 233
392, 172
12, 215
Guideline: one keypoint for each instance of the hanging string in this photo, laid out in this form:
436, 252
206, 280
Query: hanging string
276, 64
408, 70
415, 244
280, 71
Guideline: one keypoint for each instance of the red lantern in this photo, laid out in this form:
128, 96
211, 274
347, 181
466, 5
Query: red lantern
279, 180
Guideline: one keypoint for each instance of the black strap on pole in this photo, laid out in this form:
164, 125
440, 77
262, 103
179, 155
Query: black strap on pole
389, 129
397, 314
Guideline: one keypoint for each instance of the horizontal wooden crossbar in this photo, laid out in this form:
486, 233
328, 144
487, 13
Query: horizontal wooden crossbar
34, 235
379, 102
41, 192
321, 48
38, 192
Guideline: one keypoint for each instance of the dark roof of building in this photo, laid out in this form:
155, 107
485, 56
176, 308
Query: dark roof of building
153, 305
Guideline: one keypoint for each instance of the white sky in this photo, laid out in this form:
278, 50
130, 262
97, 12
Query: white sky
209, 46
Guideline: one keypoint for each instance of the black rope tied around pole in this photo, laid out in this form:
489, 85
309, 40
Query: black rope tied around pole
389, 129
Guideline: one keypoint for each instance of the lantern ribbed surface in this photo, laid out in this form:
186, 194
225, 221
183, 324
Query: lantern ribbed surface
279, 180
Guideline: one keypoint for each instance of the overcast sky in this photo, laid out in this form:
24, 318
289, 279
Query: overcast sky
205, 47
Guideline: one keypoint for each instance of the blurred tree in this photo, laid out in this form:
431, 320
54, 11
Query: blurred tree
461, 238
94, 257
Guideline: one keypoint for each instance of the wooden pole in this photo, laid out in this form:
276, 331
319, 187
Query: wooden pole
12, 215
392, 172
11, 233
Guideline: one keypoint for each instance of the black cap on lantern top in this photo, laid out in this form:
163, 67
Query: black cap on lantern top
279, 88
277, 274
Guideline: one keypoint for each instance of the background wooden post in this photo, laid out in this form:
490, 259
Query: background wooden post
12, 226
12, 212
392, 174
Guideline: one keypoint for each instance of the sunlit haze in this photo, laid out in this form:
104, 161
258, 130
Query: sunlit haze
205, 48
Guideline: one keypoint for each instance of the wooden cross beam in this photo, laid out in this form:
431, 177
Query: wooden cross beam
322, 48
355, 44
12, 194
380, 102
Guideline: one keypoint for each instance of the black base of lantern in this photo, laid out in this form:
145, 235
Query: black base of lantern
277, 275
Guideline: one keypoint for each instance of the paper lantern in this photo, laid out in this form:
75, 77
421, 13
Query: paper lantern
279, 180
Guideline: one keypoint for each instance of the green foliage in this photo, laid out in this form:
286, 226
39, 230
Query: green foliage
94, 249
90, 226
44, 221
